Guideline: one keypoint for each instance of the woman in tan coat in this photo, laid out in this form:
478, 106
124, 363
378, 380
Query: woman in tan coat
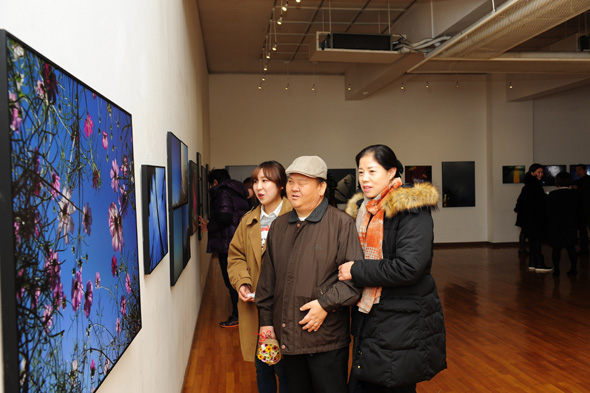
244, 261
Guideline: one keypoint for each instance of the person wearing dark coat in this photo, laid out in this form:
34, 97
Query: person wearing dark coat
530, 207
582, 185
228, 204
564, 212
398, 326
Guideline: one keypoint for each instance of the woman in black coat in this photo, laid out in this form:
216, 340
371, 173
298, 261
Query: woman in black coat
399, 327
564, 213
530, 207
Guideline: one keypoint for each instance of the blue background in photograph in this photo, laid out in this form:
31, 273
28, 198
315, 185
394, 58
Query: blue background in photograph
177, 236
175, 170
53, 129
157, 225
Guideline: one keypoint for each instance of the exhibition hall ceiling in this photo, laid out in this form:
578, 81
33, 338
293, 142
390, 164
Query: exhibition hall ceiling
467, 36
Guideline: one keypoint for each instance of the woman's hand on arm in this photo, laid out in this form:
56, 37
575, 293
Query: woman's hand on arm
344, 271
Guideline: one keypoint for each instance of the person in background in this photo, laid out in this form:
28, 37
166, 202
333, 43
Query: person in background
564, 213
582, 184
531, 205
301, 303
252, 201
398, 327
228, 205
245, 259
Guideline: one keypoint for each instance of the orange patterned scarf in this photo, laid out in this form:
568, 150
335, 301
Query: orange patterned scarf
370, 232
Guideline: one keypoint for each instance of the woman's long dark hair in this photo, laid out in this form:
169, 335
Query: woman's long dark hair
384, 156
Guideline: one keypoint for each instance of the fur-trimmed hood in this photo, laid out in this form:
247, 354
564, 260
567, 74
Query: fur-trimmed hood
404, 198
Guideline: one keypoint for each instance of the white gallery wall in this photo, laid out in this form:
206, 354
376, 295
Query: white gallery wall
424, 126
147, 57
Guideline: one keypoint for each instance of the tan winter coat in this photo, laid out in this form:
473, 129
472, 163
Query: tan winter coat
243, 267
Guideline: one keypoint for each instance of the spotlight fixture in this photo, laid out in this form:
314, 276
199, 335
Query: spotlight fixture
260, 86
457, 85
268, 55
274, 47
285, 6
298, 1
280, 20
349, 88
265, 67
427, 85
263, 78
510, 85
313, 87
287, 86
402, 87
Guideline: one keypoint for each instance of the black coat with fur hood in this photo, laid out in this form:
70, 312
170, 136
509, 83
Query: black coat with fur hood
402, 339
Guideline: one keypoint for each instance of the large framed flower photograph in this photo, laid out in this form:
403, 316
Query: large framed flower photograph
155, 232
68, 222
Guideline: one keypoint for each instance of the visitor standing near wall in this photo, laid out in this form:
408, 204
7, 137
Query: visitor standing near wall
582, 184
564, 212
228, 204
245, 259
301, 303
398, 327
532, 204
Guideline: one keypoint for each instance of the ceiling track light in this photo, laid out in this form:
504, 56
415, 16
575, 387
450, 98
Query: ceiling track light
313, 87
285, 6
402, 87
287, 86
274, 47
349, 87
427, 85
510, 85
280, 20
298, 1
457, 85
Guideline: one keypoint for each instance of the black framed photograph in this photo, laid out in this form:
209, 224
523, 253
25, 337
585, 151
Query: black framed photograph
342, 185
177, 234
177, 171
200, 197
70, 266
155, 230
418, 173
458, 182
549, 173
513, 174
193, 216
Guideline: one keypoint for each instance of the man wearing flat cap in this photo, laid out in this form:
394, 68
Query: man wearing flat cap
301, 303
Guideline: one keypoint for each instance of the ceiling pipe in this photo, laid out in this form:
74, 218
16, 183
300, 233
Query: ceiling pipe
513, 23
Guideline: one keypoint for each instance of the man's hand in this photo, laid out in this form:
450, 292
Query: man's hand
344, 271
245, 293
314, 318
267, 331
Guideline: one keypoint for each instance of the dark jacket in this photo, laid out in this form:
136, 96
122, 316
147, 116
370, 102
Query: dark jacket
228, 205
564, 213
401, 341
530, 207
583, 186
300, 265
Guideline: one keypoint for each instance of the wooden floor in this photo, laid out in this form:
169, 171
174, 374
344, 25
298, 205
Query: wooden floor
508, 330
